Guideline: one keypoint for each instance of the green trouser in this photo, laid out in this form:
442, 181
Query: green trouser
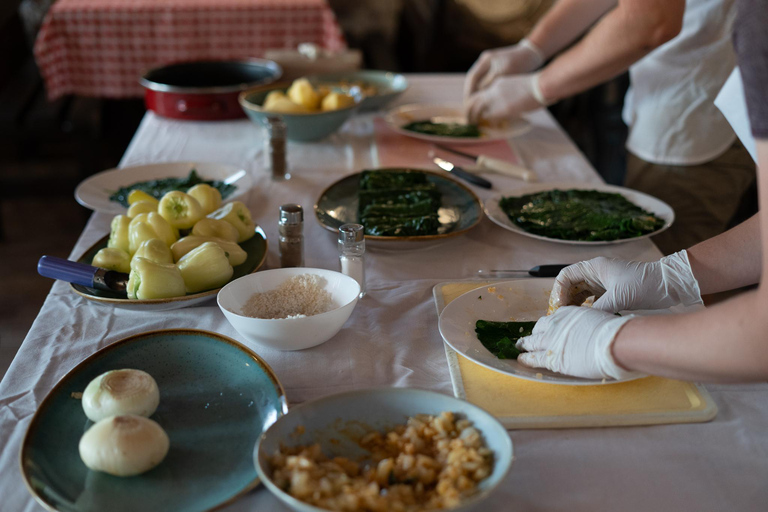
705, 196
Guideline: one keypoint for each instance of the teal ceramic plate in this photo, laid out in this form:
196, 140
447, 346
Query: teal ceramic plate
216, 399
460, 211
256, 247
377, 87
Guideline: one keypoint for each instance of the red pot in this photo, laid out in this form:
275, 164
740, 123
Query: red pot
204, 90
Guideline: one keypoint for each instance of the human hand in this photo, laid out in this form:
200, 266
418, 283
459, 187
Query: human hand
627, 285
508, 96
523, 57
575, 341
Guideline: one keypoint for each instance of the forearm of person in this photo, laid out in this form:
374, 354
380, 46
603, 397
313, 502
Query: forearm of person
723, 343
730, 260
565, 22
622, 37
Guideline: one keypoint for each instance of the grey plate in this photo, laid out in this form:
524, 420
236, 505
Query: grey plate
460, 212
216, 398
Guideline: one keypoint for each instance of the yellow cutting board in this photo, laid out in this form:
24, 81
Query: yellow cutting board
520, 403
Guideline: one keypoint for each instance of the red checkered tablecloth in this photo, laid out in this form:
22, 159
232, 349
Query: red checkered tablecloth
102, 47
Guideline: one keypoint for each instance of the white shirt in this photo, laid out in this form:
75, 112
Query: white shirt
733, 105
669, 107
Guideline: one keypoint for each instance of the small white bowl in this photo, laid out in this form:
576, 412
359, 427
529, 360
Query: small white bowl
288, 333
337, 421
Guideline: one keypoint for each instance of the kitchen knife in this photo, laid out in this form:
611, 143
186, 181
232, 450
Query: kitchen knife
82, 274
461, 173
537, 271
494, 164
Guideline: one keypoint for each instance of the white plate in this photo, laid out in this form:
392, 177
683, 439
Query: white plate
649, 203
510, 301
94, 192
401, 116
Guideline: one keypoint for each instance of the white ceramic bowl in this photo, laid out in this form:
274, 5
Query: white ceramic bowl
288, 333
336, 421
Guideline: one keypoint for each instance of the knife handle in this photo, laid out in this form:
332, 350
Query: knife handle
503, 167
66, 270
547, 270
472, 178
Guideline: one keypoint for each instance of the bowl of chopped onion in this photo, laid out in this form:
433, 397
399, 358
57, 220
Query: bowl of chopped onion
384, 449
289, 308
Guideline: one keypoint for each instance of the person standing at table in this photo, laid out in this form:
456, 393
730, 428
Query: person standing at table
723, 343
679, 54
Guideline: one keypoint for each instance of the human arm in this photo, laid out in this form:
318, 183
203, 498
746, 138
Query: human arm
728, 261
559, 27
623, 36
722, 343
726, 342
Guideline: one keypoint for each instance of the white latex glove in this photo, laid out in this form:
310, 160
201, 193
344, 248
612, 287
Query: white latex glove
523, 57
575, 341
627, 285
508, 96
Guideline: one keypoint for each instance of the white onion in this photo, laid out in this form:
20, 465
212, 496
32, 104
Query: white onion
121, 392
124, 445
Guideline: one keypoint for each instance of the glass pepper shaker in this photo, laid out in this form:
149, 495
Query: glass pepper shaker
274, 150
352, 253
291, 229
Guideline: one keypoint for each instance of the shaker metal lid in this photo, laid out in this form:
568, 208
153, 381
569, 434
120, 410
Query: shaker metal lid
351, 233
291, 214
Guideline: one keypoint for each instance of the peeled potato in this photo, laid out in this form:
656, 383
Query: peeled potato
302, 93
285, 106
337, 100
323, 91
272, 98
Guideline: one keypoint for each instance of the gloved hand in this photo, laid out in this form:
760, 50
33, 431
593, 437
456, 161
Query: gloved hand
575, 341
627, 285
523, 57
508, 96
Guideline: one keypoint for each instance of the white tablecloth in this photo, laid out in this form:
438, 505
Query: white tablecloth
392, 337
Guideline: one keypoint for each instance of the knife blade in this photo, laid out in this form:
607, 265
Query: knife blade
461, 173
494, 164
551, 270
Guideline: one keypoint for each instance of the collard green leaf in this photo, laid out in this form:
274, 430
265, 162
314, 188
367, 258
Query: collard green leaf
500, 337
583, 215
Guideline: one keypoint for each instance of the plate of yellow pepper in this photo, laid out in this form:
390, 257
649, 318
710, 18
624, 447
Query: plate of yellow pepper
178, 251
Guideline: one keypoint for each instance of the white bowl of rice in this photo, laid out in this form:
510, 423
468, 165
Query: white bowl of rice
289, 308
384, 449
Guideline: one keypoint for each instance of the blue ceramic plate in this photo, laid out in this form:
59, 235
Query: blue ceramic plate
216, 398
255, 247
460, 210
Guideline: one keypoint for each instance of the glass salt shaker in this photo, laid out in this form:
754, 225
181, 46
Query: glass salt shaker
352, 253
274, 150
291, 229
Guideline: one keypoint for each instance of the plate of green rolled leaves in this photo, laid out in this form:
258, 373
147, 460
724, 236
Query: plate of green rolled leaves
579, 213
399, 204
484, 324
